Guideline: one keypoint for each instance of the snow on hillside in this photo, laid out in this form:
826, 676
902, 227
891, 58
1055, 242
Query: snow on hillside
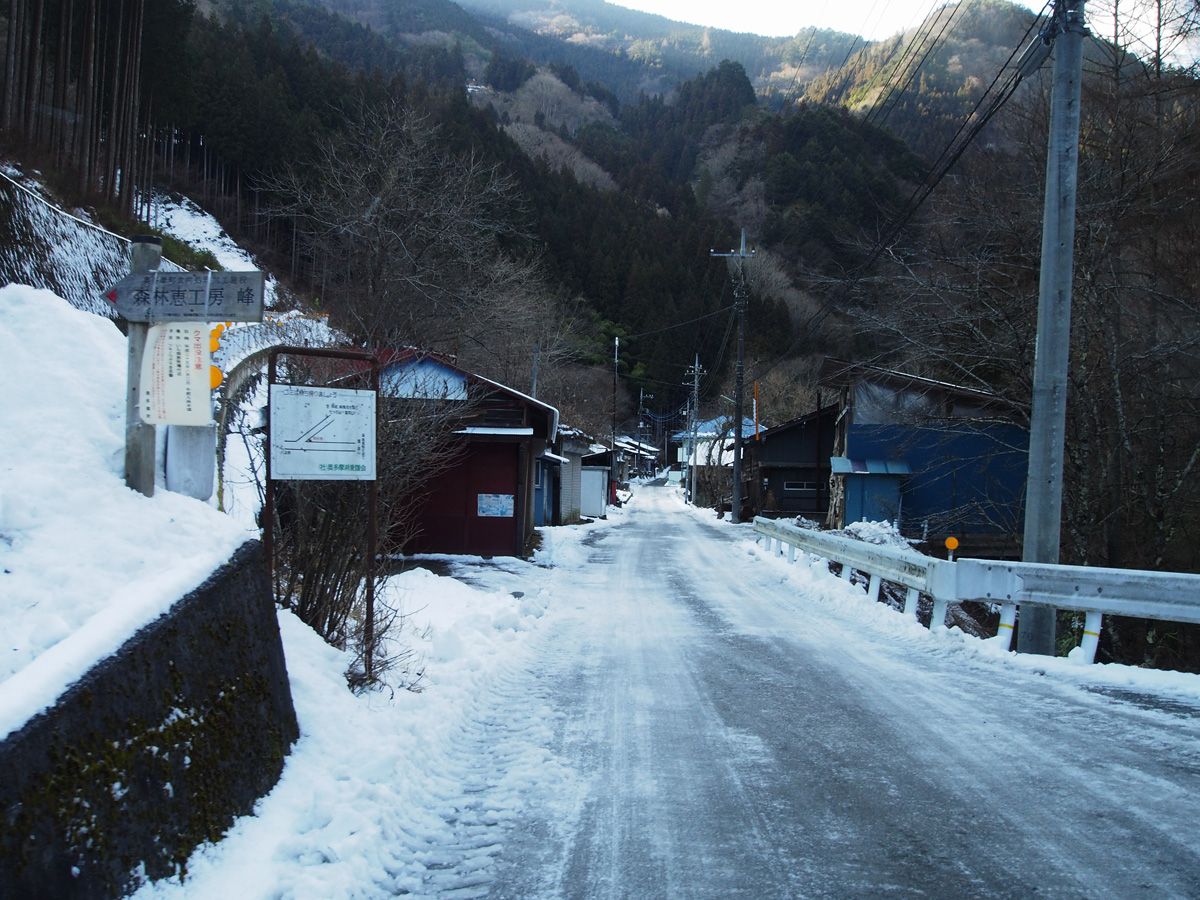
51, 249
186, 220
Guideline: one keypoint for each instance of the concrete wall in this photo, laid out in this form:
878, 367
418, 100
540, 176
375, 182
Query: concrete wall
154, 751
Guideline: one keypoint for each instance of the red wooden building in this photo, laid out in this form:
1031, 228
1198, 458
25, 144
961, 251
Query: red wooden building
484, 503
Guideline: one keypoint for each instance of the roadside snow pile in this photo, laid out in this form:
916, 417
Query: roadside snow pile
84, 561
398, 794
882, 533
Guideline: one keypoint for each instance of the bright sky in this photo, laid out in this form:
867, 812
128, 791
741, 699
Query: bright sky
873, 19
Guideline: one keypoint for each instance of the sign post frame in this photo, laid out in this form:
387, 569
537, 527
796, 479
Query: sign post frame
372, 494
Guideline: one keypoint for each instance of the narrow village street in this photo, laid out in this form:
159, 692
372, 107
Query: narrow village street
729, 737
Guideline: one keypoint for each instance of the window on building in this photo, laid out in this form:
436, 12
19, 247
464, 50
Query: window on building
800, 486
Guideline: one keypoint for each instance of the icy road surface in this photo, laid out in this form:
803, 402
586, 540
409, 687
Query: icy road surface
732, 739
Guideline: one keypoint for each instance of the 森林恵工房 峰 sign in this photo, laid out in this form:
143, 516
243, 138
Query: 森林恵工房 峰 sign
189, 296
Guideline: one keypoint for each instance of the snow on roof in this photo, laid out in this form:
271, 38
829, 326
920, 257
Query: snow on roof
496, 430
390, 358
711, 428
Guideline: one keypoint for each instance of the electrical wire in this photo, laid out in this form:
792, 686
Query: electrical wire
715, 312
883, 109
967, 131
812, 36
901, 63
971, 125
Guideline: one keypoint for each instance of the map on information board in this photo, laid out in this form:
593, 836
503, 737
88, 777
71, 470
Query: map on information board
322, 434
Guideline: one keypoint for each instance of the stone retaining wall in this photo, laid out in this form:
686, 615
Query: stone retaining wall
154, 751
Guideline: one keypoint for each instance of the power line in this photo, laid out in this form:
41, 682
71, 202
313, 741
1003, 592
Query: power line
1032, 57
630, 337
812, 36
929, 42
968, 130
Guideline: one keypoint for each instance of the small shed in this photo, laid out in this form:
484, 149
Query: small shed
789, 466
484, 503
594, 488
571, 446
937, 459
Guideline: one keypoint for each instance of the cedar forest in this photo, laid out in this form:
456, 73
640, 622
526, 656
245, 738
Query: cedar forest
431, 175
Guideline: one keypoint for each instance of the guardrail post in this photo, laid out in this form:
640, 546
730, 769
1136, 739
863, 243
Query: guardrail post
873, 588
791, 553
846, 572
911, 599
1008, 619
779, 548
938, 619
1091, 636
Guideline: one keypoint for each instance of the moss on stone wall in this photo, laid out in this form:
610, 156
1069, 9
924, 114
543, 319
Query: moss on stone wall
155, 751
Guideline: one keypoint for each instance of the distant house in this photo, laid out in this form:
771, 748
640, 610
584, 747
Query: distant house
788, 467
705, 452
484, 503
570, 448
937, 459
637, 458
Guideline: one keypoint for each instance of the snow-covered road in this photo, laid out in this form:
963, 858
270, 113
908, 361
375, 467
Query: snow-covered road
732, 737
658, 709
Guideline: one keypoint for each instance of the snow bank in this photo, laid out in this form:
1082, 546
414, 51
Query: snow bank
396, 793
810, 576
84, 561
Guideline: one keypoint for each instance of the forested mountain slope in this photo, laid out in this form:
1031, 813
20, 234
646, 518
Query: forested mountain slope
581, 218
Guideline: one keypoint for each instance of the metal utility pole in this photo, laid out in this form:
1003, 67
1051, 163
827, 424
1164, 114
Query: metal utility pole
693, 422
612, 472
145, 256
739, 293
1043, 499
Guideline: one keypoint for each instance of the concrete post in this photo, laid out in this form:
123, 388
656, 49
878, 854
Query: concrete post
145, 255
1043, 501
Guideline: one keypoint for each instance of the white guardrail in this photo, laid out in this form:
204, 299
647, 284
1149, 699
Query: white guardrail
1166, 596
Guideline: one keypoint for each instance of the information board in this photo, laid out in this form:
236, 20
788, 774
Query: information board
489, 506
174, 388
322, 433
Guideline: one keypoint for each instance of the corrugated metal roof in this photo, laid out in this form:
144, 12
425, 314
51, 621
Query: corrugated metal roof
843, 466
